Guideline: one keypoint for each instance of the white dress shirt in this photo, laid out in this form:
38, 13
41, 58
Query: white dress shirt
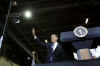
55, 46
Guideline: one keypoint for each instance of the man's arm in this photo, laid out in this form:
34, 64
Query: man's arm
37, 39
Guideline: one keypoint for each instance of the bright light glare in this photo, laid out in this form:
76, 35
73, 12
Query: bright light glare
28, 14
86, 22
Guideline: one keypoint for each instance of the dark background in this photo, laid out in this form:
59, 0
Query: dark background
49, 16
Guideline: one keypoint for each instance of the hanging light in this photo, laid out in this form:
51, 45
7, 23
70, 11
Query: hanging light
86, 21
28, 14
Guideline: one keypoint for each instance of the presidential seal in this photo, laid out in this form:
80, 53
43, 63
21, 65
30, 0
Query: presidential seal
80, 31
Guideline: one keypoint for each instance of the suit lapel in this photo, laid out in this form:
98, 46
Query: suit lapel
58, 46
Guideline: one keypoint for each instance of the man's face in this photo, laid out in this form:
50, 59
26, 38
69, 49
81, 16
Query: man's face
54, 38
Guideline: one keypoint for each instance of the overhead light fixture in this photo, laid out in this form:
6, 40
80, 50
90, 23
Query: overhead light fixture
28, 14
86, 21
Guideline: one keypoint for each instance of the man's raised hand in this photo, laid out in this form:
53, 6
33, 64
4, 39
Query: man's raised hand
33, 31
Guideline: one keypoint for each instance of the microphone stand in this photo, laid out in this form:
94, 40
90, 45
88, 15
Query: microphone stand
7, 16
6, 23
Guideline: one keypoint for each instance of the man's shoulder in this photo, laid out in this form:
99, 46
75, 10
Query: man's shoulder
49, 44
52, 43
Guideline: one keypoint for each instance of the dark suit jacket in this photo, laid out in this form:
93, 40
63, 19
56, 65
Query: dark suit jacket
58, 55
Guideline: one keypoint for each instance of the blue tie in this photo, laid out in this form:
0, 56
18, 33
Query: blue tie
52, 48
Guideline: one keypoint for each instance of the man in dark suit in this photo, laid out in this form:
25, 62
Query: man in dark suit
55, 51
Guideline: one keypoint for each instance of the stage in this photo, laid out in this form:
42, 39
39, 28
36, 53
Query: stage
74, 63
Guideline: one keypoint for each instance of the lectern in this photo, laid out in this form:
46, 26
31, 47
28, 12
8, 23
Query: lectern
82, 39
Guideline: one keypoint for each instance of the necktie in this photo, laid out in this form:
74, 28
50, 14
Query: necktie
52, 47
51, 54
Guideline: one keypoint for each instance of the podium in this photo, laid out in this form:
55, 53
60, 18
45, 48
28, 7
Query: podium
82, 44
